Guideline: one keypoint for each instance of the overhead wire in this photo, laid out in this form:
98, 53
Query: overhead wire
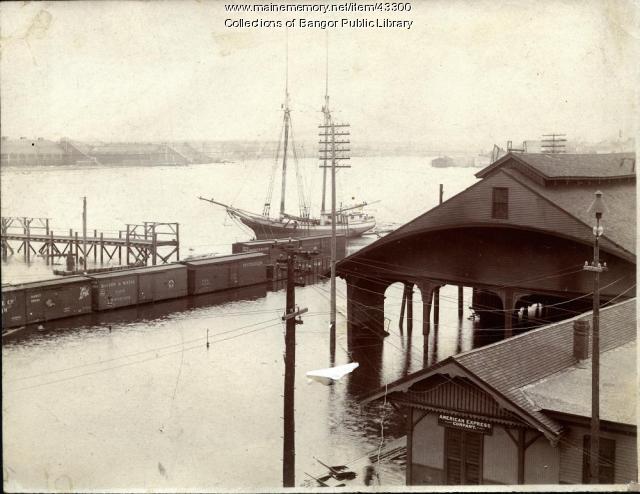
548, 276
126, 364
519, 328
142, 352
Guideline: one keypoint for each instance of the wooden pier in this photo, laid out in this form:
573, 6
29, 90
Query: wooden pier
137, 244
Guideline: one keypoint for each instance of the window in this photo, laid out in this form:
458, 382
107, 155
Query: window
607, 460
463, 457
500, 205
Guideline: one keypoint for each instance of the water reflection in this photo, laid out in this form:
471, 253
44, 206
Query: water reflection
152, 372
150, 393
366, 349
237, 294
127, 315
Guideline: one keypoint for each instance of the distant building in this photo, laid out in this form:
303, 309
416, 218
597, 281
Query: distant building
442, 162
135, 154
27, 152
518, 411
31, 152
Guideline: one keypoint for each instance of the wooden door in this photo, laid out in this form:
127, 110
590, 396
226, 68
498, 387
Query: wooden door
463, 457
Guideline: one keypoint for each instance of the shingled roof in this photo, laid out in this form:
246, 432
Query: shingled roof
569, 391
561, 166
510, 366
619, 220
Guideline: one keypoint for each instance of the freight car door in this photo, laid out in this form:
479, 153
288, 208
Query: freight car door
234, 274
35, 305
146, 287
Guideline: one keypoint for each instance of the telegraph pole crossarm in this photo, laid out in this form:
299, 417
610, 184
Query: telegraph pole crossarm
297, 313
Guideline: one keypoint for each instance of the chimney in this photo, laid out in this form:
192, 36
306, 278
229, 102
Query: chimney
580, 339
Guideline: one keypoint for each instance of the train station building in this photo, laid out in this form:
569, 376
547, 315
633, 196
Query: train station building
519, 237
518, 411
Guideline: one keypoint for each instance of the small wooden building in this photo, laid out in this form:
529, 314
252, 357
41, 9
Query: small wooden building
518, 411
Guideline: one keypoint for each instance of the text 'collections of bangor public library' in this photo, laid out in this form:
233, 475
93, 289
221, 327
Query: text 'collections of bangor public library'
344, 15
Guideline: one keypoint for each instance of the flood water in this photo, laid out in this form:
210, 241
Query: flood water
133, 398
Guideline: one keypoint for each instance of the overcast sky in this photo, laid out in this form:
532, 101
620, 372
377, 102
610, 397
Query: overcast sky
466, 73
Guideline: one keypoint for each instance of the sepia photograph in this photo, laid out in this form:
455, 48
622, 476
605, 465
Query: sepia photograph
319, 245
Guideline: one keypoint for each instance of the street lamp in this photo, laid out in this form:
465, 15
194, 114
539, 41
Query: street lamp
598, 208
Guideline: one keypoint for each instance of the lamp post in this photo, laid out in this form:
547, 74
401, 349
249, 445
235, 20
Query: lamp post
598, 208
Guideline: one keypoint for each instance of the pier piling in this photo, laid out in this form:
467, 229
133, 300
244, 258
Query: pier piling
51, 245
436, 305
77, 248
128, 249
95, 251
409, 292
402, 307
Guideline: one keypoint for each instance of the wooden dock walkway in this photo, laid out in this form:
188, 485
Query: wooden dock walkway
136, 244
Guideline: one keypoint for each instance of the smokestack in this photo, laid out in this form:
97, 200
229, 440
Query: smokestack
580, 339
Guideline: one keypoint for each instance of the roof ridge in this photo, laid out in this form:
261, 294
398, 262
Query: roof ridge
546, 165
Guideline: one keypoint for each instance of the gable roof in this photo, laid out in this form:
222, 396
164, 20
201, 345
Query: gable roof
509, 366
570, 166
574, 199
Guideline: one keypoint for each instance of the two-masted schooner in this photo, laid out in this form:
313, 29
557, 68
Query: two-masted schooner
351, 221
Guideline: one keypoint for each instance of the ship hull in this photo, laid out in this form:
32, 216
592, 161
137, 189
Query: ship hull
265, 228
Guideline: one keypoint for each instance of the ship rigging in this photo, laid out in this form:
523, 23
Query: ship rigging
351, 220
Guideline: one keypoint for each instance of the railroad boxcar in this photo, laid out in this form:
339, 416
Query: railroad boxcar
273, 248
57, 298
322, 244
224, 272
114, 289
14, 308
162, 282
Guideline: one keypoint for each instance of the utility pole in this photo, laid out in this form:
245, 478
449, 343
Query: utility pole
84, 231
598, 208
333, 151
554, 143
291, 318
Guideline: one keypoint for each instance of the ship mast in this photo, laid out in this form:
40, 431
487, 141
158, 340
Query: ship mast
287, 123
327, 120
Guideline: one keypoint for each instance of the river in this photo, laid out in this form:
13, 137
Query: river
133, 399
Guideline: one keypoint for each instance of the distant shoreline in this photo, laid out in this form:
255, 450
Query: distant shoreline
88, 166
